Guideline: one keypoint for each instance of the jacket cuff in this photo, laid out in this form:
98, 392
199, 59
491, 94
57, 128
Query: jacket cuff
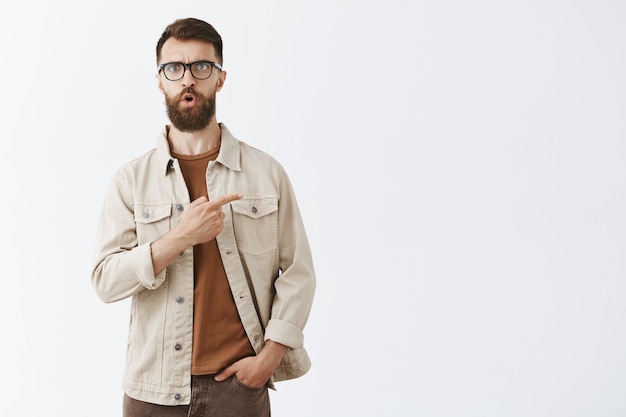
285, 333
142, 267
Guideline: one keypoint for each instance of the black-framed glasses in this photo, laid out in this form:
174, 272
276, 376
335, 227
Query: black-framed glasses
200, 70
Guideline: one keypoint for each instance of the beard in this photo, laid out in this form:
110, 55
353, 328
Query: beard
190, 119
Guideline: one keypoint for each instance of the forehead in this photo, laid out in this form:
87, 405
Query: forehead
187, 51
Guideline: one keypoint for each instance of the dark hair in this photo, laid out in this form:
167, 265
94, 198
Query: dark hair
191, 29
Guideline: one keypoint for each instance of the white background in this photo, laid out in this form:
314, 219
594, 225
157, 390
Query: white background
459, 166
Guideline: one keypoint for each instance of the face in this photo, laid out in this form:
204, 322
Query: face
190, 102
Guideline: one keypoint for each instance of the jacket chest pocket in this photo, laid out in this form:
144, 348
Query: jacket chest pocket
152, 220
255, 221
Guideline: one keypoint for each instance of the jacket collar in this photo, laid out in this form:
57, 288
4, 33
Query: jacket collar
229, 155
230, 150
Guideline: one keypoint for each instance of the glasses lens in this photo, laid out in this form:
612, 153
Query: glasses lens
201, 70
173, 71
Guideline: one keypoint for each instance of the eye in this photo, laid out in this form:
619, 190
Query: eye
173, 67
202, 66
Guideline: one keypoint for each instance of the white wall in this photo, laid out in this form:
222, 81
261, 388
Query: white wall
459, 165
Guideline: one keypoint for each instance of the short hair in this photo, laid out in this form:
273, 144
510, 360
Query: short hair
191, 29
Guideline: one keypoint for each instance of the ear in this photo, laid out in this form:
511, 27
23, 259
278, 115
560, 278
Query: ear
159, 82
221, 80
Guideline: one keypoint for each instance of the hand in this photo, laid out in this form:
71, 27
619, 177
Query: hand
255, 371
248, 371
203, 220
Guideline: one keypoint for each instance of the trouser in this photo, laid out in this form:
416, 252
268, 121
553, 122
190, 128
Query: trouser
209, 398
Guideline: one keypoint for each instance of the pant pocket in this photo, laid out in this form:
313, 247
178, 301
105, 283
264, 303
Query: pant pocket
246, 387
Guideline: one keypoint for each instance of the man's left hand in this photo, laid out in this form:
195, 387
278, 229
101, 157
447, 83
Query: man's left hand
255, 371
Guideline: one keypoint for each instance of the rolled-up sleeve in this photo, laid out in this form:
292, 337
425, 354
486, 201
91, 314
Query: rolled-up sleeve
295, 285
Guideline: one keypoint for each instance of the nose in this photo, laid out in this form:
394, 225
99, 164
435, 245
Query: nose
188, 80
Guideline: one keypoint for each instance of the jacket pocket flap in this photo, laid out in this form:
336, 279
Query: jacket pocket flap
255, 207
150, 213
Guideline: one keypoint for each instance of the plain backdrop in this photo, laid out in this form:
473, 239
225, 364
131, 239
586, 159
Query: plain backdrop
459, 166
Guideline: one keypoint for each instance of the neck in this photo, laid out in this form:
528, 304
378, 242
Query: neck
196, 142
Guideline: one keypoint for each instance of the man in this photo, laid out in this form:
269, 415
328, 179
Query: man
205, 235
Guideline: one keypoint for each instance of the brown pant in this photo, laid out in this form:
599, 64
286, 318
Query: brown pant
209, 398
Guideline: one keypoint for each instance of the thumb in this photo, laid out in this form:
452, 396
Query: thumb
198, 201
226, 373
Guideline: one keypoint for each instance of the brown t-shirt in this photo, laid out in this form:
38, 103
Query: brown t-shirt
219, 338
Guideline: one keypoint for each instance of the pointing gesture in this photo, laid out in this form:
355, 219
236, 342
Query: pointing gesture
202, 221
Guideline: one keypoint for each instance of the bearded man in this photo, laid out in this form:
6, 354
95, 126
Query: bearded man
204, 234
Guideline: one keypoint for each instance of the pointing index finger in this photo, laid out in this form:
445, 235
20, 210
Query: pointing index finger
225, 199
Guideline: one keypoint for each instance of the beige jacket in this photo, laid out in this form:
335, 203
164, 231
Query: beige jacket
263, 246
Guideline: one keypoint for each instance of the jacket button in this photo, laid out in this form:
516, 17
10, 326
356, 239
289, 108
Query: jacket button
178, 347
146, 215
177, 397
179, 207
254, 210
179, 300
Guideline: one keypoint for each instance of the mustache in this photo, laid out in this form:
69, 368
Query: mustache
189, 90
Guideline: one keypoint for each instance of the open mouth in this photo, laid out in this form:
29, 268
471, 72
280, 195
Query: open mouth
188, 99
